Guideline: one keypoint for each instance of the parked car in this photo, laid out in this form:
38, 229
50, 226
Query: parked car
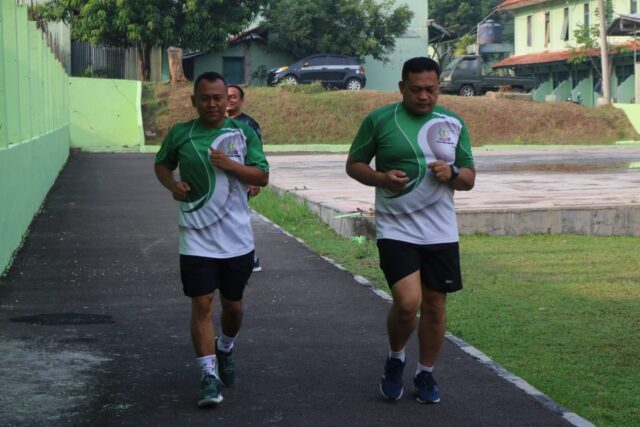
331, 70
469, 75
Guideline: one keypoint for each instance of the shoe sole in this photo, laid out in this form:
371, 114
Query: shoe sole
427, 401
209, 402
257, 269
390, 398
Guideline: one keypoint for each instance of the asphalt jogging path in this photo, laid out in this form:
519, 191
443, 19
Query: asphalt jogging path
94, 327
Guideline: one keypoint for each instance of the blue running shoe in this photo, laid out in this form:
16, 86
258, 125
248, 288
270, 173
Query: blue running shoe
391, 383
426, 388
209, 391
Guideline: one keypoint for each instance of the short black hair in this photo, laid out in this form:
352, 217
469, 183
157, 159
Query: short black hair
239, 90
211, 76
418, 65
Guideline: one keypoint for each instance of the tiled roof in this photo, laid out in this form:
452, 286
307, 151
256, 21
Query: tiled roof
548, 57
515, 4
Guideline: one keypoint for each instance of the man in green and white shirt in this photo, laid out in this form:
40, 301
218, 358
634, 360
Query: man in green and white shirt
422, 154
218, 158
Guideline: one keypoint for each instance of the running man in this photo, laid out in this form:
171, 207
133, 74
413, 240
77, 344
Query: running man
234, 111
218, 157
423, 154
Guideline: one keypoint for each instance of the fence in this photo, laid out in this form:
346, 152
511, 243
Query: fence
34, 123
112, 62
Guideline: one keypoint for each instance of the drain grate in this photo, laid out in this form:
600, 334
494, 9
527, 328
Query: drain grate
65, 319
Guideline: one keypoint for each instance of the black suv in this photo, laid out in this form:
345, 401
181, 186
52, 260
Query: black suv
330, 70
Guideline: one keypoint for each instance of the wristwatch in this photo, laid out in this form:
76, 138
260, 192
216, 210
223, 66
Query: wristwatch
454, 172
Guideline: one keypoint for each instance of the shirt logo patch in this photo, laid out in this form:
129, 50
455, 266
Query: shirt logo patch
232, 150
443, 137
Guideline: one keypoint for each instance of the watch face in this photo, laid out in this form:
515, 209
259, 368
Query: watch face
454, 172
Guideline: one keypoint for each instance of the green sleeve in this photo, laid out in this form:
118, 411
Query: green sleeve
255, 153
364, 145
464, 158
168, 155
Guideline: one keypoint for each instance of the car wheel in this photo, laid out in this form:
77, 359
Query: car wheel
467, 90
353, 84
290, 80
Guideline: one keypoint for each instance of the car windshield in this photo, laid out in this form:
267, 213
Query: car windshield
452, 64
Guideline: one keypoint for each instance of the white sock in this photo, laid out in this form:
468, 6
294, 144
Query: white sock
421, 368
396, 354
207, 364
225, 343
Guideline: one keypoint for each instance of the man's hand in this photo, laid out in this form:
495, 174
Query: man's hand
253, 190
180, 190
395, 180
220, 160
441, 170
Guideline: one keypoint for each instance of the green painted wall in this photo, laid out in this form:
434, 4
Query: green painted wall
105, 114
27, 171
385, 76
34, 124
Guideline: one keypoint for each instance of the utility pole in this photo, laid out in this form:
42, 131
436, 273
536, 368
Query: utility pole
604, 55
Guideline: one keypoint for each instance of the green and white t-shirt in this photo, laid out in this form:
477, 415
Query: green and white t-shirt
424, 212
215, 219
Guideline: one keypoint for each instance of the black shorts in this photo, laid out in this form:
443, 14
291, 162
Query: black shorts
439, 264
202, 276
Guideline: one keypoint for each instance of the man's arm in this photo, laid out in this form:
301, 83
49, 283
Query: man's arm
464, 182
393, 180
178, 189
251, 175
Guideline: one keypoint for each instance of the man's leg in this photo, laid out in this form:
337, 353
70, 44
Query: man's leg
401, 322
230, 320
202, 333
430, 338
231, 316
433, 323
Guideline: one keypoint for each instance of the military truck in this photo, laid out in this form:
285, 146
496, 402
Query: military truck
469, 75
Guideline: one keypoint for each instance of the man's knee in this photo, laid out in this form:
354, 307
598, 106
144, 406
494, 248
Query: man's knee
202, 306
406, 309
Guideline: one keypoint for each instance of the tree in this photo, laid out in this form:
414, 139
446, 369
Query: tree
357, 28
190, 24
462, 17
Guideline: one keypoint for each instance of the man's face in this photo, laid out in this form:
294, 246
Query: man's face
234, 105
210, 100
420, 92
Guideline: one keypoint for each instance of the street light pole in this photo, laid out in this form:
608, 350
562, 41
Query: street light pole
604, 56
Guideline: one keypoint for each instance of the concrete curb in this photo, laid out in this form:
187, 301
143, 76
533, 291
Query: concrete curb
615, 220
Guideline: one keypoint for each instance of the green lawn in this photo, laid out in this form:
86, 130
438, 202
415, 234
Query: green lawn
560, 311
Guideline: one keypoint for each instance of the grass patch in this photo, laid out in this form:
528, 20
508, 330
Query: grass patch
310, 114
560, 311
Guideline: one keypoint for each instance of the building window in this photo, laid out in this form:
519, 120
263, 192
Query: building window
587, 21
623, 72
633, 7
578, 76
547, 29
529, 30
564, 34
559, 77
